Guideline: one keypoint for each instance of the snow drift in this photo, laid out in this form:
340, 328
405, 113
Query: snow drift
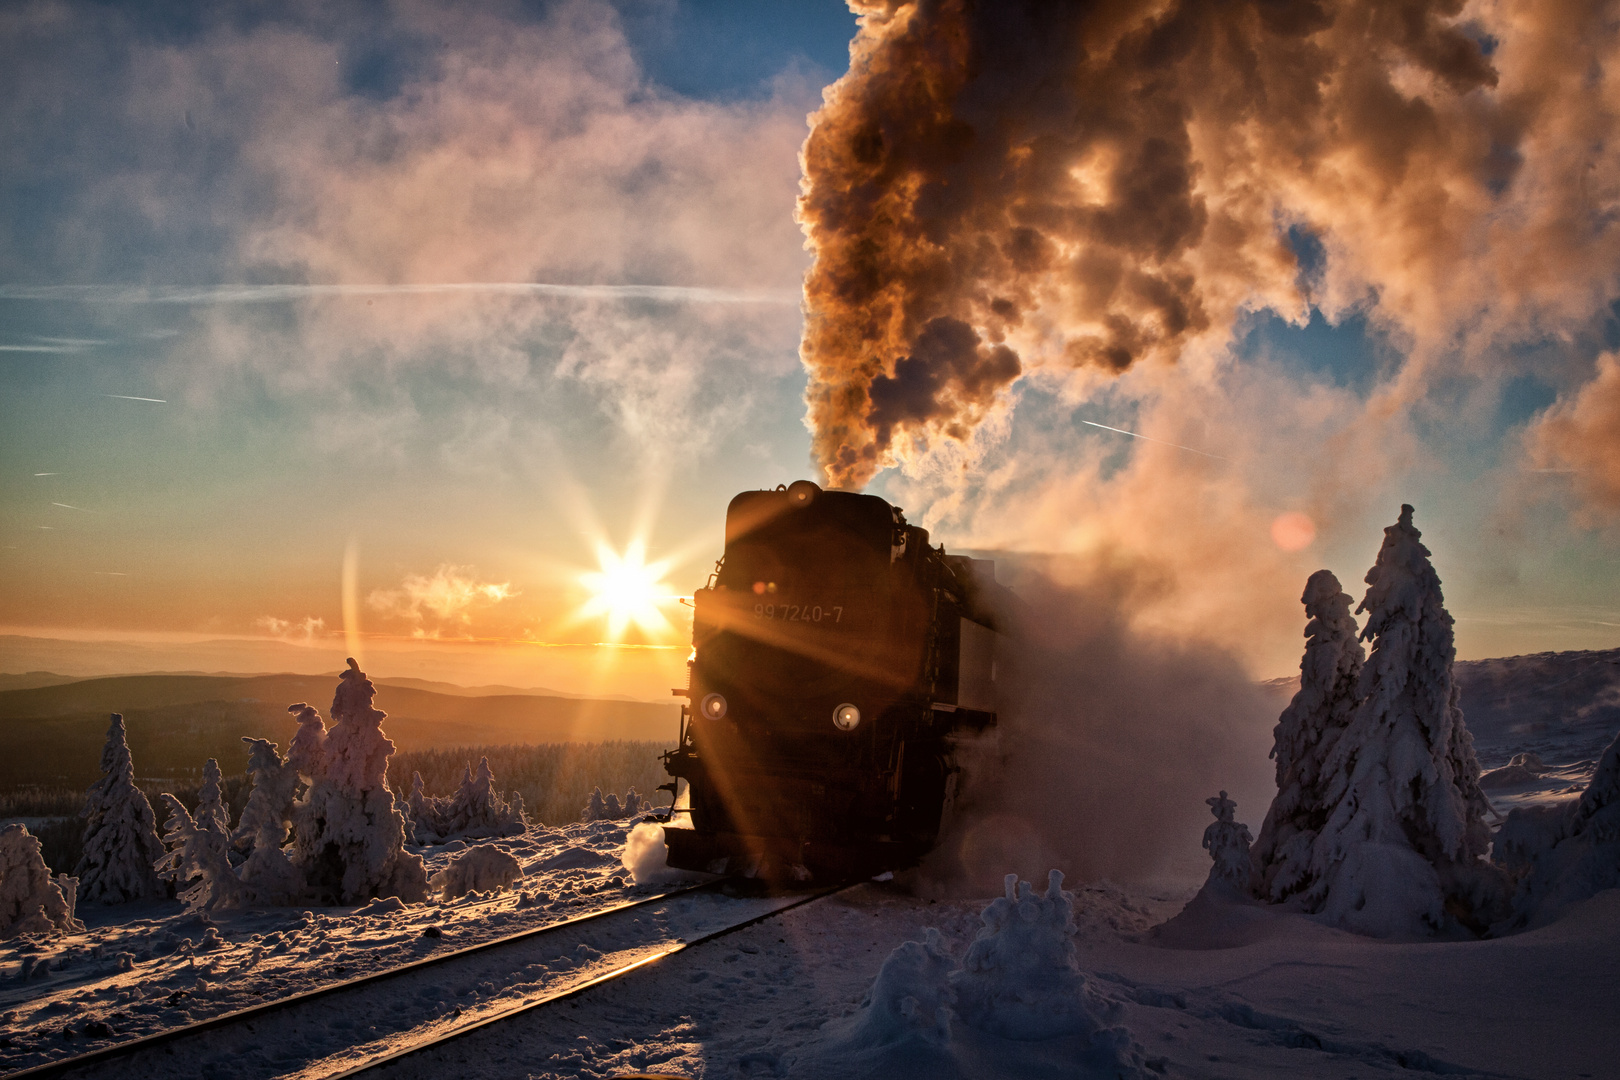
1016, 1004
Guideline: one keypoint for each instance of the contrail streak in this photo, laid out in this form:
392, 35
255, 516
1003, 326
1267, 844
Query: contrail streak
131, 397
80, 509
264, 294
1150, 438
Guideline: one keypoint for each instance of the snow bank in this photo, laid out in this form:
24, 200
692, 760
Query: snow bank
1016, 1005
31, 902
477, 869
1558, 855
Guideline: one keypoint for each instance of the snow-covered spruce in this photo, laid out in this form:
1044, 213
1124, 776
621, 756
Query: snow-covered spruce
1227, 840
478, 811
1558, 855
350, 834
479, 869
1018, 993
1400, 851
121, 843
1305, 735
31, 901
609, 808
211, 810
198, 861
269, 874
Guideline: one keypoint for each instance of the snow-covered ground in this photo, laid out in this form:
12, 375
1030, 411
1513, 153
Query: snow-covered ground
1220, 988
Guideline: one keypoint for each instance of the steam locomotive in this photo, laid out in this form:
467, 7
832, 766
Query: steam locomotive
837, 661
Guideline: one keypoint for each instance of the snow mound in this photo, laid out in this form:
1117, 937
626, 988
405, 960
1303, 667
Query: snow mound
31, 901
1562, 854
1016, 1005
478, 869
576, 857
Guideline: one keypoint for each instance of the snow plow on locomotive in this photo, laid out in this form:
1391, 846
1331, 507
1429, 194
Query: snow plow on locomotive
837, 661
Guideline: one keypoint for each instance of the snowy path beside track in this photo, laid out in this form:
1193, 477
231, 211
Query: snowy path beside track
339, 1030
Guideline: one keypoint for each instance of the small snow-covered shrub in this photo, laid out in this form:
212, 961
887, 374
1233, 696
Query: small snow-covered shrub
478, 869
121, 844
1227, 840
31, 901
609, 808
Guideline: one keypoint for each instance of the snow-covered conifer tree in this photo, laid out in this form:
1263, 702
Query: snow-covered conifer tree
121, 843
634, 804
268, 874
211, 809
596, 808
31, 902
197, 861
1227, 840
1399, 853
426, 813
355, 848
1305, 735
477, 809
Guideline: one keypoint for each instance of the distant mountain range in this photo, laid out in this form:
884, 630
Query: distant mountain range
51, 729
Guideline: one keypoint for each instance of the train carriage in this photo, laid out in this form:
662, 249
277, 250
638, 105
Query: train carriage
837, 660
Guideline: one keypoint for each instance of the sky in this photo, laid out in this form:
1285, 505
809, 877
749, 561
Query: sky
381, 328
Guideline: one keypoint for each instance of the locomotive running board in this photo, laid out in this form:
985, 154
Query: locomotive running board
783, 858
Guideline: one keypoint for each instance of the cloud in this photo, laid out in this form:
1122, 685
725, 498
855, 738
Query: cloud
303, 632
519, 223
444, 601
1580, 435
1087, 190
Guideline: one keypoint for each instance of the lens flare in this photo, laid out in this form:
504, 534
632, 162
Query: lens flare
1293, 531
628, 590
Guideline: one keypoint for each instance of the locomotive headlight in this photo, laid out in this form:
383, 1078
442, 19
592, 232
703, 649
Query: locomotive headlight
846, 717
713, 706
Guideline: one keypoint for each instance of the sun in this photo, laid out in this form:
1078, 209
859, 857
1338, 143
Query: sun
628, 590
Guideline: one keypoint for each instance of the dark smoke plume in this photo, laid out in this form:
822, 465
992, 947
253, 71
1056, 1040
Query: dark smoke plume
998, 186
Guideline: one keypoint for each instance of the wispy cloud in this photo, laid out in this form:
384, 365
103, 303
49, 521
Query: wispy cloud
303, 632
448, 596
267, 294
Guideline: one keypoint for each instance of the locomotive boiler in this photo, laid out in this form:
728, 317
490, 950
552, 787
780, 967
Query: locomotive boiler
837, 661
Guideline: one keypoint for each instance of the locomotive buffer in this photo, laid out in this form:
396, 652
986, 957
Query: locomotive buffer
837, 660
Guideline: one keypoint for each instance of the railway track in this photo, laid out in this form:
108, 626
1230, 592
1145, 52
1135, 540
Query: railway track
367, 1023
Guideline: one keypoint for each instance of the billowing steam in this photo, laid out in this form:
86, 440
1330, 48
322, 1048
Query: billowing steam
996, 188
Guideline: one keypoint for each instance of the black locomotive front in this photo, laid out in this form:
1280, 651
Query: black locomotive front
835, 658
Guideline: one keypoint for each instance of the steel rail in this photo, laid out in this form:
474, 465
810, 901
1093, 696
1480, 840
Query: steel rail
63, 1066
380, 1061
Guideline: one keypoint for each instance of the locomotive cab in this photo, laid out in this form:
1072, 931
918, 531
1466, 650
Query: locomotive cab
836, 658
